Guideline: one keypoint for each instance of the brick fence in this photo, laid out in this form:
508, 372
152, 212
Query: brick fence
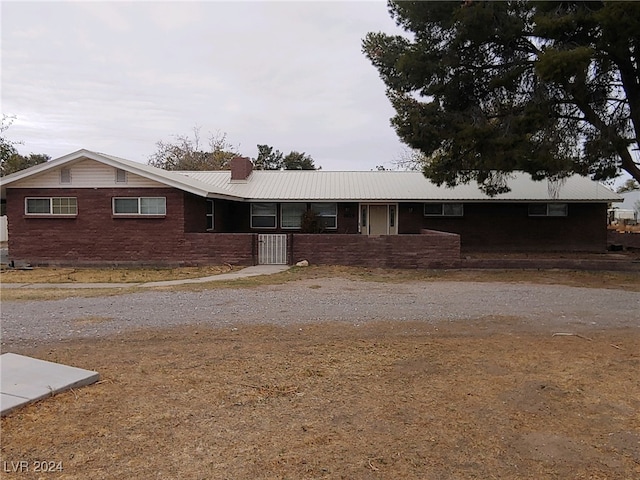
429, 249
626, 240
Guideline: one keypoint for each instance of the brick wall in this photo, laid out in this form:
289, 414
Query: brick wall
219, 248
627, 240
507, 227
429, 249
233, 216
96, 237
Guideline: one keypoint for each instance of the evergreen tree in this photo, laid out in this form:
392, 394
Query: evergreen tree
486, 88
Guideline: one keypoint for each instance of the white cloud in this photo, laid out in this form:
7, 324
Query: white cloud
119, 76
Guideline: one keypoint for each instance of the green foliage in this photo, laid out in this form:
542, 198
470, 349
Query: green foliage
7, 147
17, 162
310, 222
270, 159
298, 161
10, 160
186, 153
549, 88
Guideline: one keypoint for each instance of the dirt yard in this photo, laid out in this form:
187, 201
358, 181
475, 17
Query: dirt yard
488, 397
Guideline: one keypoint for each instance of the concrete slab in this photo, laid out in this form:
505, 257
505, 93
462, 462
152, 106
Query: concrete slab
24, 380
244, 273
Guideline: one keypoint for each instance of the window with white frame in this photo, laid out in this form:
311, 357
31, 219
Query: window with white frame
291, 214
548, 209
264, 215
139, 206
210, 216
51, 206
327, 214
443, 210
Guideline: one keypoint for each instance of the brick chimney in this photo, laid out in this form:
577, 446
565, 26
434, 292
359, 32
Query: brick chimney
241, 168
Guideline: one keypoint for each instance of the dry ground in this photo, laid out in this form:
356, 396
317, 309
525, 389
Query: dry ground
487, 398
616, 280
484, 399
107, 275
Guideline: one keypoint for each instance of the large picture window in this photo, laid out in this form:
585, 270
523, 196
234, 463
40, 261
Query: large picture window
291, 214
327, 214
140, 206
443, 210
548, 209
51, 206
263, 215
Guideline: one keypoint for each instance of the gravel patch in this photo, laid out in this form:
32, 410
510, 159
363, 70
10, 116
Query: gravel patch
536, 307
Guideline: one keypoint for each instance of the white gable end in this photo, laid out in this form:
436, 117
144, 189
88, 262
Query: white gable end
86, 174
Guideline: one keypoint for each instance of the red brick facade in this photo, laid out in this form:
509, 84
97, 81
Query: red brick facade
507, 227
427, 250
625, 240
96, 236
487, 227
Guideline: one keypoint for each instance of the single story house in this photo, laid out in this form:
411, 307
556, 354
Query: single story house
88, 208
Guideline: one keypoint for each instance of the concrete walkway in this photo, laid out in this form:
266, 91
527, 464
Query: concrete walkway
244, 273
24, 380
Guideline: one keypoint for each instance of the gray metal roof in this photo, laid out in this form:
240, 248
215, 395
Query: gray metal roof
312, 185
390, 186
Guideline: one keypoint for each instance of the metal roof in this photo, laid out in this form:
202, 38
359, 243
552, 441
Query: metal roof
309, 185
312, 185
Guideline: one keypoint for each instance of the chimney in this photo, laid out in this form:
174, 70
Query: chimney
241, 168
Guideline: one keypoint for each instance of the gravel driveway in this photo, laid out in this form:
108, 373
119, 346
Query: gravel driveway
538, 307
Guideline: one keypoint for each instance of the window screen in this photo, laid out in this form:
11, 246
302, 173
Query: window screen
327, 214
140, 206
263, 215
443, 209
52, 206
292, 214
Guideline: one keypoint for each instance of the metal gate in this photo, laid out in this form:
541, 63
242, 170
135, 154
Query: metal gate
272, 249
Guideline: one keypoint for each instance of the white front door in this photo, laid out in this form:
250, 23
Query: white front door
378, 219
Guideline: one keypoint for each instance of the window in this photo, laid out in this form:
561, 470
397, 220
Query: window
443, 210
65, 175
121, 175
153, 206
210, 223
327, 214
140, 206
548, 209
52, 206
291, 214
557, 209
263, 215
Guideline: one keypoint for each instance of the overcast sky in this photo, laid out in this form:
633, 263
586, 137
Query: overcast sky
116, 77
